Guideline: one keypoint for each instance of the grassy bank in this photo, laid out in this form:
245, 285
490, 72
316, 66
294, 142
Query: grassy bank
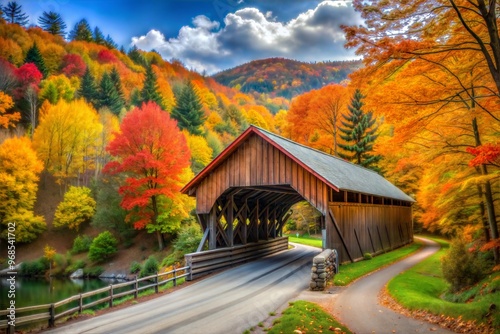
352, 271
306, 240
305, 317
423, 286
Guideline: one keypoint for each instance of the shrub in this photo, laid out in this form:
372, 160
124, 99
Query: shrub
103, 247
150, 267
135, 267
81, 244
188, 239
76, 208
462, 268
367, 256
35, 267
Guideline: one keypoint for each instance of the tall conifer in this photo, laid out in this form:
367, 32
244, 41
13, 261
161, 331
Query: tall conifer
108, 96
88, 89
53, 23
189, 111
359, 133
150, 89
34, 56
13, 13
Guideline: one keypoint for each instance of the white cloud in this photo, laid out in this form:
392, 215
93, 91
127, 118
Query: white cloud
249, 34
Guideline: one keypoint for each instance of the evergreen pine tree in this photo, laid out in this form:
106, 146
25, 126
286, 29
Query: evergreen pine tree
136, 56
359, 133
150, 89
98, 36
81, 32
189, 111
110, 43
108, 96
88, 88
53, 23
115, 78
13, 13
34, 56
135, 97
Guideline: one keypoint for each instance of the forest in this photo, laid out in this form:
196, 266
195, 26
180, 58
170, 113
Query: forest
120, 131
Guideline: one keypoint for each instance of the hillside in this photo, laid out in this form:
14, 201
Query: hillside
47, 82
284, 77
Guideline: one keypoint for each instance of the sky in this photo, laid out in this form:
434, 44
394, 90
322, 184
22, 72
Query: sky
213, 35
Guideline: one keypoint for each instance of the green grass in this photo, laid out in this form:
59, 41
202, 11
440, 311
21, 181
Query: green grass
352, 271
306, 317
421, 288
306, 240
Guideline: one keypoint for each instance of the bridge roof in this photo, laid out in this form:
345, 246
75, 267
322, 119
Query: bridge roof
337, 173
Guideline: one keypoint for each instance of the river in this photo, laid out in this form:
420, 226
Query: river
37, 291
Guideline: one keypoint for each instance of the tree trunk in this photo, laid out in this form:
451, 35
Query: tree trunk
488, 197
484, 221
159, 235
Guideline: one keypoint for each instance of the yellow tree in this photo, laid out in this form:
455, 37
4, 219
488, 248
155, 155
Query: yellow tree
201, 153
7, 119
19, 175
66, 139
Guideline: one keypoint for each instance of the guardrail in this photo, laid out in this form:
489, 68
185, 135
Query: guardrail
203, 263
50, 310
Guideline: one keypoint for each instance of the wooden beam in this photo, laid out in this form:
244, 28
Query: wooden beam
212, 221
340, 234
359, 244
230, 221
203, 240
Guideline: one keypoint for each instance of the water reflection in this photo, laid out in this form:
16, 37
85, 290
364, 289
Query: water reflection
36, 291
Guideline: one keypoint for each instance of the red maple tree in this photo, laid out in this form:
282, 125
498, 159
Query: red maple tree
152, 152
73, 64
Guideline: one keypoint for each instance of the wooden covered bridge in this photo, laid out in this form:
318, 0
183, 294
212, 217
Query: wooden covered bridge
244, 196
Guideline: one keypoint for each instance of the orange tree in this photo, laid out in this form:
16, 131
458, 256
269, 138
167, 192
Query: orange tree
438, 64
152, 152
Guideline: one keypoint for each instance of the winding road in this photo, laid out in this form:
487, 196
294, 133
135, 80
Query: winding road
229, 302
239, 298
358, 308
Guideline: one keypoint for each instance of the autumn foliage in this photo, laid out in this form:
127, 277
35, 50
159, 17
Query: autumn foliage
152, 152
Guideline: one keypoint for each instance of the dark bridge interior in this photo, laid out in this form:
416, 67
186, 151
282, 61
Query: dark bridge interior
250, 214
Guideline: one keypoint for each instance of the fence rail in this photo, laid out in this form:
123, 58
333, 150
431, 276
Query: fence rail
50, 310
205, 262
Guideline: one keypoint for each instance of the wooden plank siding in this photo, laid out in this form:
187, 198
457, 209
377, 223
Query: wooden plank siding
257, 163
385, 222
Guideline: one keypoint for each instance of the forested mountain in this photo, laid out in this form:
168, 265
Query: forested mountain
285, 77
70, 99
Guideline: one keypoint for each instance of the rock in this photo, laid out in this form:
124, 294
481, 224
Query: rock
313, 285
77, 274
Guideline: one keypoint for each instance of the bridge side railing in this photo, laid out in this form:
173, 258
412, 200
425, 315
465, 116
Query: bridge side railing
50, 311
202, 263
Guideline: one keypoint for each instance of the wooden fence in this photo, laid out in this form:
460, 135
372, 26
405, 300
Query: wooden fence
49, 311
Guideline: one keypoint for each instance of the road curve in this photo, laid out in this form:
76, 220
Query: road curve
358, 308
229, 302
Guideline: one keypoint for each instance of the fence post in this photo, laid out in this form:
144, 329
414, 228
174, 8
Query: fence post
156, 283
136, 286
10, 329
110, 295
52, 312
175, 275
80, 305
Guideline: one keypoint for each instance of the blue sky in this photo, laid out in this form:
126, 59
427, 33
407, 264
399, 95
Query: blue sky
213, 35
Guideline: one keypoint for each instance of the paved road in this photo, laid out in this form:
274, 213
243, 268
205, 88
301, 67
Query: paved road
229, 302
358, 308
